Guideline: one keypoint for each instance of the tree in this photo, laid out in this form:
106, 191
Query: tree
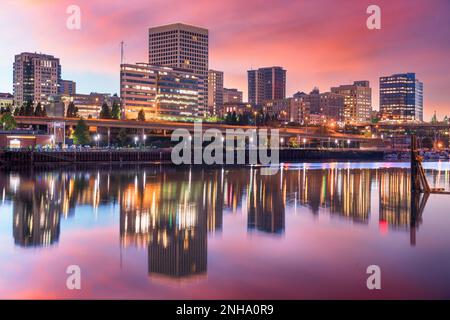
105, 112
434, 118
81, 133
8, 121
122, 136
28, 109
38, 111
141, 115
115, 112
72, 111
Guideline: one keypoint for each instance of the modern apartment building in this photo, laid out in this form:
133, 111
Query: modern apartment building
232, 95
266, 84
357, 101
401, 97
159, 91
215, 92
183, 46
36, 77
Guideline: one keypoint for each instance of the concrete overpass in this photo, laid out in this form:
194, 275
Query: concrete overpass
168, 126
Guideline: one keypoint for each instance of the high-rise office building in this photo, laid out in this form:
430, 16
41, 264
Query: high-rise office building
266, 84
357, 101
215, 91
182, 46
159, 91
36, 77
401, 97
232, 95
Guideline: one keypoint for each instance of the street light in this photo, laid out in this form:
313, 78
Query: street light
144, 137
304, 143
97, 139
348, 143
136, 140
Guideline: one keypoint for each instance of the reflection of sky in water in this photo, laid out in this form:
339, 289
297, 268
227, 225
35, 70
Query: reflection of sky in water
308, 232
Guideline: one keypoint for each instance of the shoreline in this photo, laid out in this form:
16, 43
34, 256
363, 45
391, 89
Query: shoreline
163, 156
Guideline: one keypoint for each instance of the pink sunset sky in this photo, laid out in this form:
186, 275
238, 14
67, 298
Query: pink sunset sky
320, 43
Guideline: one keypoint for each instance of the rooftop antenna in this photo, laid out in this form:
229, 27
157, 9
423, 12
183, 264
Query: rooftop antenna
121, 52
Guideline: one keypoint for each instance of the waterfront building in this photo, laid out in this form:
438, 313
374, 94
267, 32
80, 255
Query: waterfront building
159, 91
357, 101
215, 91
266, 84
35, 77
67, 87
401, 97
23, 139
183, 46
231, 95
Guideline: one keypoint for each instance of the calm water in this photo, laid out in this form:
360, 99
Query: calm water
166, 233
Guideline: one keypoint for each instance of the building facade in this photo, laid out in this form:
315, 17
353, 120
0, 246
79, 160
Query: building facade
6, 100
238, 107
215, 92
293, 110
67, 87
324, 107
159, 91
88, 105
401, 97
186, 47
332, 106
357, 101
35, 77
266, 84
232, 95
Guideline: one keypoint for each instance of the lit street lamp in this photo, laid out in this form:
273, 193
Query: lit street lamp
136, 140
97, 139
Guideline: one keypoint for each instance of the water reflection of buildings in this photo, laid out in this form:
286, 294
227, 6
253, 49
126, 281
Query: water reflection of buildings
344, 192
171, 211
266, 203
395, 198
36, 211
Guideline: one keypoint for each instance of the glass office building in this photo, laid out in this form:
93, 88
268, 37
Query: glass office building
401, 97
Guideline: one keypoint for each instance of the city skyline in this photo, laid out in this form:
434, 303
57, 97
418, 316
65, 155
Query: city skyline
300, 39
